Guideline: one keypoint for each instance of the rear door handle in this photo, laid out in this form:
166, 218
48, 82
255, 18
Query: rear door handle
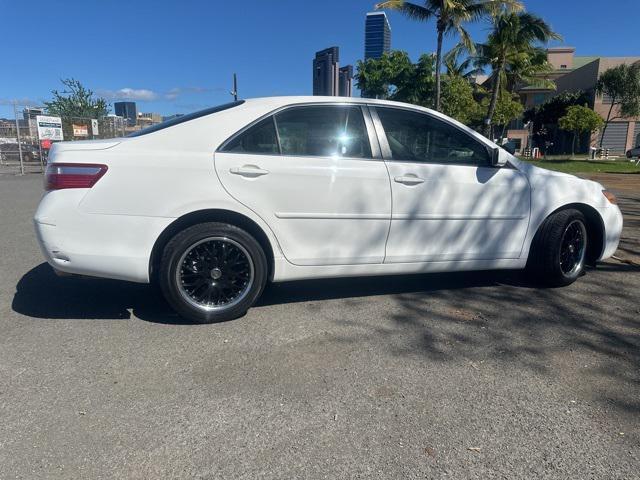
410, 179
250, 171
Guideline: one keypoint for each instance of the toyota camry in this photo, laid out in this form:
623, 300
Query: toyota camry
212, 205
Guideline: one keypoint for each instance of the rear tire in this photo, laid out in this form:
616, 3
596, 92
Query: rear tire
212, 272
559, 249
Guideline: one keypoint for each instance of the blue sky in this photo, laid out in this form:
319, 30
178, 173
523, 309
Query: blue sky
178, 56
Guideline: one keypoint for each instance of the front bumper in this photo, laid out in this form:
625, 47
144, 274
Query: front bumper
612, 219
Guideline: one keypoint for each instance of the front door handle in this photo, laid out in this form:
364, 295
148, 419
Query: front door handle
250, 171
410, 179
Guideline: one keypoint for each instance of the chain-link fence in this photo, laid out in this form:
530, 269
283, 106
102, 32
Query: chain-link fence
25, 139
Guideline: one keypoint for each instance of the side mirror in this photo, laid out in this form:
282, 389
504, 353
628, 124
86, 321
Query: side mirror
499, 157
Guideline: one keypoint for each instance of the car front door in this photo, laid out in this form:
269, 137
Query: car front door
449, 203
308, 171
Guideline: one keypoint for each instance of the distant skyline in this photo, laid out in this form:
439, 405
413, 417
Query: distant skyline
180, 56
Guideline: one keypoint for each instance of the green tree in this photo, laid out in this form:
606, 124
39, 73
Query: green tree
395, 77
508, 108
544, 117
458, 99
450, 16
579, 119
455, 67
621, 85
76, 101
513, 46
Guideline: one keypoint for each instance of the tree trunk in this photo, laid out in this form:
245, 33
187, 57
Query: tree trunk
606, 123
573, 144
494, 100
438, 65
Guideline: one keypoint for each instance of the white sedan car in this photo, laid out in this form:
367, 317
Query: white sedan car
214, 204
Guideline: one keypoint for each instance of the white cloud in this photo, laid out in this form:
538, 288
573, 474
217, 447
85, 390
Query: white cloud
146, 95
19, 101
140, 94
173, 93
177, 91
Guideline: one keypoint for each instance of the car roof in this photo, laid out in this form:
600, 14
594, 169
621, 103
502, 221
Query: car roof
283, 101
288, 100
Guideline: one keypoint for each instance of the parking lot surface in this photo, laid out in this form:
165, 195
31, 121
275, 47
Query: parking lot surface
470, 375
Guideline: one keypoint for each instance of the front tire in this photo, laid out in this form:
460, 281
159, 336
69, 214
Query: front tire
559, 249
212, 272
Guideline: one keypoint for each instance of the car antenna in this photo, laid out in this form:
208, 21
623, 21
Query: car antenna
234, 92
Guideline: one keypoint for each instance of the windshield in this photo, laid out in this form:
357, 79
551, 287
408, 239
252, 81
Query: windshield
185, 118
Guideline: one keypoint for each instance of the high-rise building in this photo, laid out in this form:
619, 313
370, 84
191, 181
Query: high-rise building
345, 81
377, 35
325, 72
127, 110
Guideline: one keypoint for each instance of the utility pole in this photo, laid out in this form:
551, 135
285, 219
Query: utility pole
234, 92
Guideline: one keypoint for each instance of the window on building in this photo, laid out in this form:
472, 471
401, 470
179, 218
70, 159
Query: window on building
516, 142
563, 66
419, 137
606, 99
323, 130
539, 98
260, 138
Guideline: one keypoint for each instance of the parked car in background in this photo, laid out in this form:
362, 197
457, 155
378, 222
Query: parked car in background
213, 205
634, 152
10, 152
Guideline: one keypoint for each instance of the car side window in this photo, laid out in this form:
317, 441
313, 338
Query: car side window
323, 130
261, 138
418, 137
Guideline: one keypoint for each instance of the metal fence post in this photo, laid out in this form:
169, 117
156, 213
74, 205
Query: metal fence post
15, 114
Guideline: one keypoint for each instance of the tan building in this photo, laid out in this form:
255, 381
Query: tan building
148, 119
573, 73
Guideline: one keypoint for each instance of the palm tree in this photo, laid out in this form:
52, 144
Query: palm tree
450, 15
514, 54
463, 69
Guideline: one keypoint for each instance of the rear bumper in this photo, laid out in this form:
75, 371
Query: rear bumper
108, 246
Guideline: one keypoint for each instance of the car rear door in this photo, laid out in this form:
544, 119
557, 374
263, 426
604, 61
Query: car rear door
449, 203
310, 172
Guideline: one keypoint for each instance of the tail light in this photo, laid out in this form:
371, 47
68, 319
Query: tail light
72, 175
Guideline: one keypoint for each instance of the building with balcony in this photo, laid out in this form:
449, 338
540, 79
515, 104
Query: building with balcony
326, 72
573, 73
345, 81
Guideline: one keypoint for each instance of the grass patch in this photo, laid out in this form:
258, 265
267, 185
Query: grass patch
568, 165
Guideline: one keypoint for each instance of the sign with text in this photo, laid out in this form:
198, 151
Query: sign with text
80, 130
49, 128
94, 127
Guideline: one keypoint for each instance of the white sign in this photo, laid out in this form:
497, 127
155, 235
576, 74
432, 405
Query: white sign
80, 130
94, 127
49, 128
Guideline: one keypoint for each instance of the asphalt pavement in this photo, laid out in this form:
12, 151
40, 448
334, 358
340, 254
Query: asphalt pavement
470, 375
